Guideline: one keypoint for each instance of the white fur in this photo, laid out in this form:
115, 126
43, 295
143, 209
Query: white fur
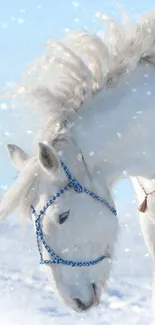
98, 110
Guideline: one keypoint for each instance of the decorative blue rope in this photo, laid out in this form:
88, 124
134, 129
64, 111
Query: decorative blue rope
55, 259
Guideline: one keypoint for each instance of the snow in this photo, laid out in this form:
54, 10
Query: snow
75, 3
119, 134
3, 106
20, 20
91, 153
29, 131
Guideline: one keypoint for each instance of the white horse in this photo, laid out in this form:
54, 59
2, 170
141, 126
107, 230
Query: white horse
97, 100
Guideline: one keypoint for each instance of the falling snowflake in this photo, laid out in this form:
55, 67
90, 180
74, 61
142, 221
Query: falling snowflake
127, 250
119, 135
60, 153
75, 3
21, 21
7, 134
65, 250
3, 187
29, 131
66, 30
3, 106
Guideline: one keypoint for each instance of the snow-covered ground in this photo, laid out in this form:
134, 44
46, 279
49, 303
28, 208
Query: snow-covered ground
25, 295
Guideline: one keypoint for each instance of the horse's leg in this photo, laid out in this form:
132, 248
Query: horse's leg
147, 223
148, 230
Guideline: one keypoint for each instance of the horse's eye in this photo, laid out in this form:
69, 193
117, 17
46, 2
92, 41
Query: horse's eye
63, 217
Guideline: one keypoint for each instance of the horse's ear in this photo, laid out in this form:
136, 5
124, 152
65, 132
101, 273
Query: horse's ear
17, 156
48, 157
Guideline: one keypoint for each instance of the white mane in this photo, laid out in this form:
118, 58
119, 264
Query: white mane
60, 83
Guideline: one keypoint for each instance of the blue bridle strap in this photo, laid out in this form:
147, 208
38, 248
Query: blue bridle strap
77, 187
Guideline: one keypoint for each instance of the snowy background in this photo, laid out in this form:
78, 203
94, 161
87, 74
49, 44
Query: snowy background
25, 295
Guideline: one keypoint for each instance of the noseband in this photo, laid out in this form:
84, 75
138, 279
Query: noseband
77, 187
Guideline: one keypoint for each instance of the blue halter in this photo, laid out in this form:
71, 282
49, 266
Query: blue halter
55, 259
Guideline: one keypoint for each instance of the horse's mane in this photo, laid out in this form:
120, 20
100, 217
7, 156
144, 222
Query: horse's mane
60, 83
23, 191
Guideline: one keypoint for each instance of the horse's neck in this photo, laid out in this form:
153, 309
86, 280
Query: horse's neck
116, 133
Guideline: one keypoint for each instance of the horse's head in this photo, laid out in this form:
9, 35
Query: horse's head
75, 226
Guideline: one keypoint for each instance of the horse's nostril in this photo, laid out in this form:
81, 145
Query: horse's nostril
81, 305
94, 286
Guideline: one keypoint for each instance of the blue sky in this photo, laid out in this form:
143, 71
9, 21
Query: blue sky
24, 28
26, 25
